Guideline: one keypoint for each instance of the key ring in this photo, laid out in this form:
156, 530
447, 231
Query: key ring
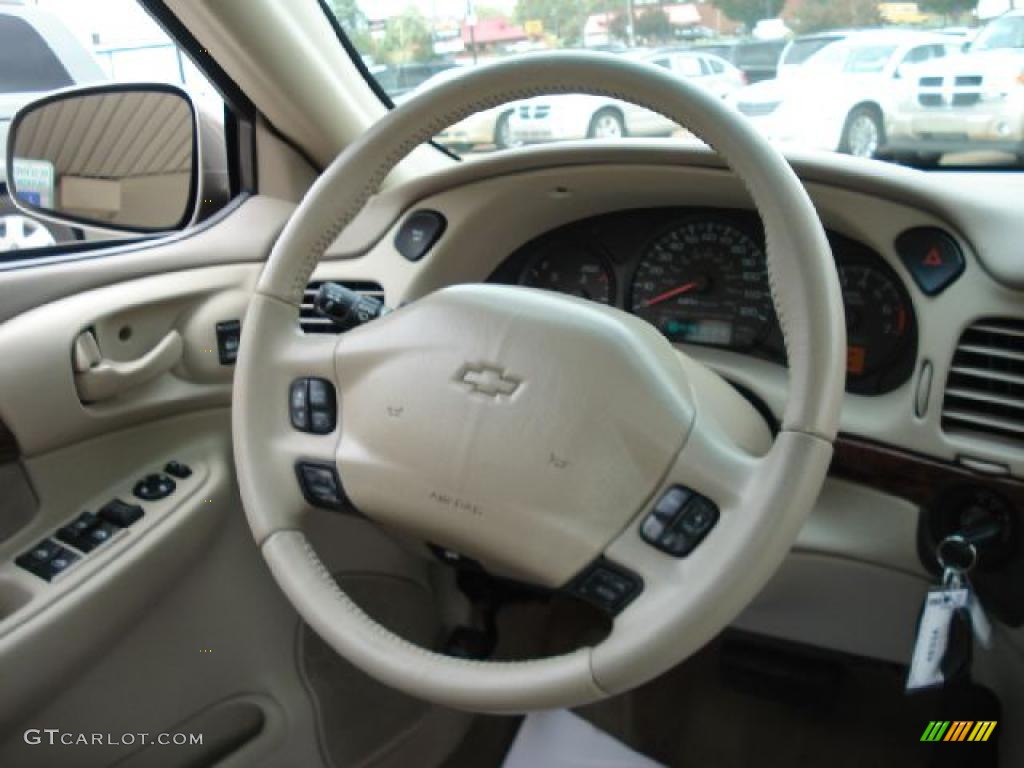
953, 566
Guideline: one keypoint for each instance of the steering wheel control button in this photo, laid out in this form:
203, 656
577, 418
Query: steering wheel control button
932, 257
298, 401
419, 233
320, 485
121, 514
178, 470
679, 522
608, 587
154, 487
313, 405
671, 504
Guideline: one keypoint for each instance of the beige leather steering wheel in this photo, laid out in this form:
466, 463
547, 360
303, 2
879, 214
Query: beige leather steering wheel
593, 416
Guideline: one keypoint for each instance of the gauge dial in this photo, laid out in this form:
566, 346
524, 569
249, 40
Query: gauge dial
705, 282
878, 318
572, 270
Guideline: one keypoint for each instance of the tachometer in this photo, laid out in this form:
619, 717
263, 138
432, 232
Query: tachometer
574, 270
705, 282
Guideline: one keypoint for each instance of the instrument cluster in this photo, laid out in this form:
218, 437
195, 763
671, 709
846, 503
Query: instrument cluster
700, 277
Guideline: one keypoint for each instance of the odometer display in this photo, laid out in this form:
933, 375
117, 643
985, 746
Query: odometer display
705, 282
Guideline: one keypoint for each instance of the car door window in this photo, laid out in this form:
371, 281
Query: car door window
58, 44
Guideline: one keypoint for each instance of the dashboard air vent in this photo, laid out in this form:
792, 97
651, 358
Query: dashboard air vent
311, 322
985, 389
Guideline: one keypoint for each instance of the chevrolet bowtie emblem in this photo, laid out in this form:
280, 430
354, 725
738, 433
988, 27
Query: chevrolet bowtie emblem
488, 380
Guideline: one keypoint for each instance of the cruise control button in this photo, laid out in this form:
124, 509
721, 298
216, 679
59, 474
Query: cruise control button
652, 529
299, 404
322, 423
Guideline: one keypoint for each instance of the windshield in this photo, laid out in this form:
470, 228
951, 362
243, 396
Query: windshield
871, 80
1007, 32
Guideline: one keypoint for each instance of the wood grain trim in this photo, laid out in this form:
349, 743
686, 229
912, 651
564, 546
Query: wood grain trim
916, 478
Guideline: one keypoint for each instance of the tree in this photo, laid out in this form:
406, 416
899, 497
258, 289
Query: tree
749, 12
406, 38
817, 15
947, 7
563, 19
353, 21
653, 26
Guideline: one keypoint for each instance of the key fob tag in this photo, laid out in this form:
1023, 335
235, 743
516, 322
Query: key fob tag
933, 635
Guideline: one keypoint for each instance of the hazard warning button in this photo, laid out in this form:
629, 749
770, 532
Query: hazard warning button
932, 257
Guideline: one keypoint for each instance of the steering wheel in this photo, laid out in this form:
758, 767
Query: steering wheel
533, 432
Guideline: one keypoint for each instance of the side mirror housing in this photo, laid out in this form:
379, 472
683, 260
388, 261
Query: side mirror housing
124, 158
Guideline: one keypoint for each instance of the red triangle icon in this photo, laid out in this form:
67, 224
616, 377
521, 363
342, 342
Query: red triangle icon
934, 258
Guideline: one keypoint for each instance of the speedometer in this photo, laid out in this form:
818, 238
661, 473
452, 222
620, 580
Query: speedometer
705, 282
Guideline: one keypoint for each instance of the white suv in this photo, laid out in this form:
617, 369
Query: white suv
972, 101
37, 55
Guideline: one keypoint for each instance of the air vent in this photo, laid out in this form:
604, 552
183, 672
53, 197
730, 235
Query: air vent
985, 389
311, 322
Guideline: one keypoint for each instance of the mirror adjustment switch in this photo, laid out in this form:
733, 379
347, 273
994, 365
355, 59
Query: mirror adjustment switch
321, 486
178, 470
121, 514
154, 487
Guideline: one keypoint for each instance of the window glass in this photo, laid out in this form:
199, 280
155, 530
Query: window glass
26, 61
821, 74
53, 44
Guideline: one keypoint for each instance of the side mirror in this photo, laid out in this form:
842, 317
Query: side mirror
116, 157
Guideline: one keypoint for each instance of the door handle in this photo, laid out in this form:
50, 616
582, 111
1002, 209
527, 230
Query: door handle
100, 379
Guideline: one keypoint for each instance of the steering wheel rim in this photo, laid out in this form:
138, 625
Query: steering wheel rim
763, 500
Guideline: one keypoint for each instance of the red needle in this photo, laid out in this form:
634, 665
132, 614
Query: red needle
672, 294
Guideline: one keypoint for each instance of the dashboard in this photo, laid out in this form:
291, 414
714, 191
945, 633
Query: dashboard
699, 275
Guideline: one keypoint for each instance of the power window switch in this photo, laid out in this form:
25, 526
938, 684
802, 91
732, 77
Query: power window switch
121, 514
75, 532
47, 559
101, 534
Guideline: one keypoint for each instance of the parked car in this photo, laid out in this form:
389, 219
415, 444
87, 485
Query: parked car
757, 59
970, 101
839, 98
37, 55
801, 48
403, 78
487, 128
579, 116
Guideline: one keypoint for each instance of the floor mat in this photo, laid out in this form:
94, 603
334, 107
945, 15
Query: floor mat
559, 739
